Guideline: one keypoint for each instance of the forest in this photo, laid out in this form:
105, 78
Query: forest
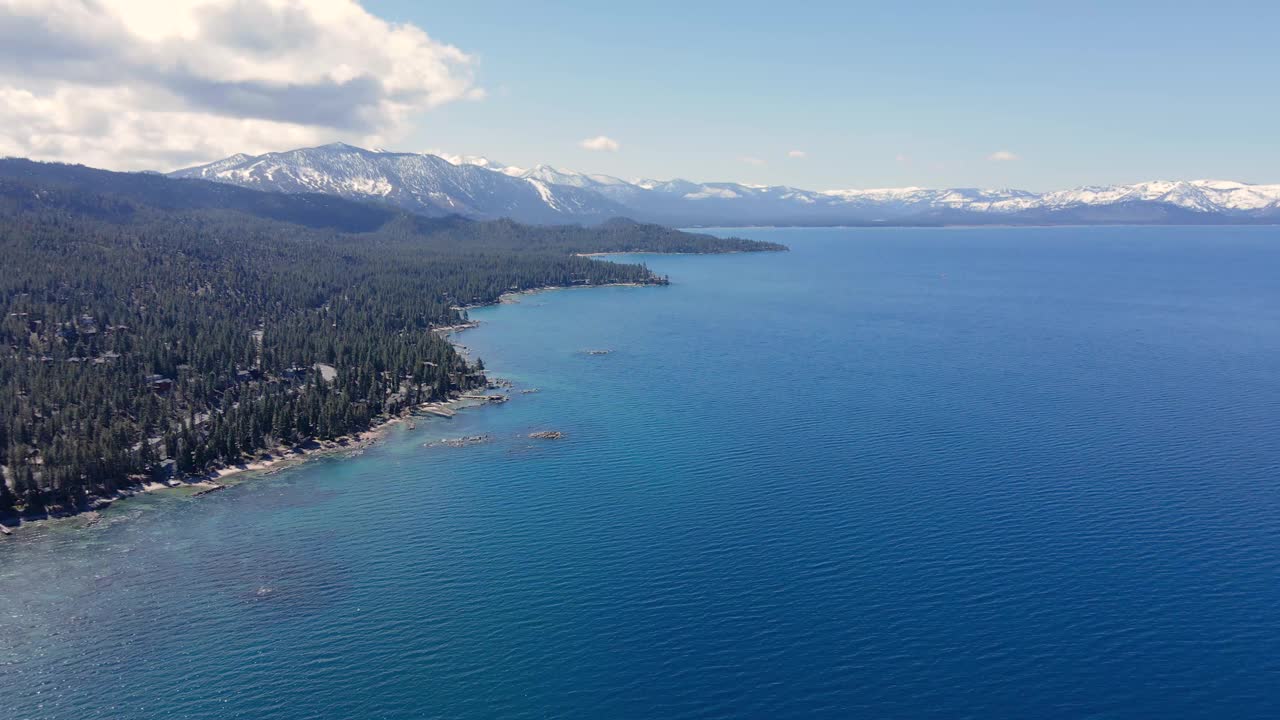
154, 325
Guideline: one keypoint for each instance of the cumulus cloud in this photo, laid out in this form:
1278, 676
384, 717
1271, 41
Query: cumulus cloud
797, 154
162, 83
600, 143
750, 160
1002, 156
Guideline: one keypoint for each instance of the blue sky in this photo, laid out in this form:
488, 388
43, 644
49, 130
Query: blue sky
820, 95
874, 94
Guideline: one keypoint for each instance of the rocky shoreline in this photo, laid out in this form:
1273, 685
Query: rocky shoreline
285, 456
201, 484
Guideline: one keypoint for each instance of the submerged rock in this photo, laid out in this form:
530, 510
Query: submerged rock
486, 398
461, 441
547, 435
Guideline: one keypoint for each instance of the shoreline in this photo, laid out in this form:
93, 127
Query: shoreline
654, 252
267, 461
280, 457
509, 297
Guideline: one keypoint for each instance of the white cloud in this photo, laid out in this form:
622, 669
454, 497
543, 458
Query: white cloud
797, 154
161, 83
753, 160
600, 143
902, 159
1002, 156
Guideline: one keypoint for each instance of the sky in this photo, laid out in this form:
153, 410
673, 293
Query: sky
819, 95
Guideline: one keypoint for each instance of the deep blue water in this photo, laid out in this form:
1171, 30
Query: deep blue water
997, 473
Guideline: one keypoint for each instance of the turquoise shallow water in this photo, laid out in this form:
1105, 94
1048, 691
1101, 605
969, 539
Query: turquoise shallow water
893, 473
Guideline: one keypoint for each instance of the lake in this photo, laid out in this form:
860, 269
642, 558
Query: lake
925, 473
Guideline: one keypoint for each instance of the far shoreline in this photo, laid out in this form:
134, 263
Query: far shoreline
958, 226
653, 252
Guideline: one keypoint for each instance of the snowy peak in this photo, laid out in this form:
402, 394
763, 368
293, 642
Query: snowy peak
477, 186
1209, 196
212, 169
421, 183
572, 178
548, 174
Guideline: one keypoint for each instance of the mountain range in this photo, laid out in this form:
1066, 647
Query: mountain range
477, 187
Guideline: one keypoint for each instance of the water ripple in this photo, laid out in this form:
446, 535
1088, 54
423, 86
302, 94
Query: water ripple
828, 484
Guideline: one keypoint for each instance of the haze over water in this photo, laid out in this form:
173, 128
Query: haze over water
989, 473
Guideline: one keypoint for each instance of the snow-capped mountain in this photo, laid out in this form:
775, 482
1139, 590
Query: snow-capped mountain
425, 184
480, 187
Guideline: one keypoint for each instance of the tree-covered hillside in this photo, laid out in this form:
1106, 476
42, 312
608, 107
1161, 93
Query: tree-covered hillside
135, 331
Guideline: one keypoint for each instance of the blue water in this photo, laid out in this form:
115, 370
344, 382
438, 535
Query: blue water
998, 473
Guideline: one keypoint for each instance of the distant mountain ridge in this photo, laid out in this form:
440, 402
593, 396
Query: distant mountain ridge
425, 184
478, 187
